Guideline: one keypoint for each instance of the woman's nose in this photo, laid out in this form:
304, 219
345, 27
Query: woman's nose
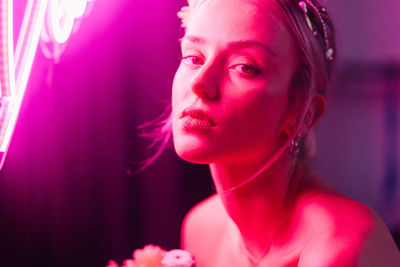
204, 84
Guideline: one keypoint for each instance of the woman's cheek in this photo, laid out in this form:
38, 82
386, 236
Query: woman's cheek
178, 92
256, 113
180, 85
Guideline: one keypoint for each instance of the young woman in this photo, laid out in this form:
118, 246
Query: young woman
248, 91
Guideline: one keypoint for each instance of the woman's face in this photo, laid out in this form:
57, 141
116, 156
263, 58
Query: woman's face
230, 92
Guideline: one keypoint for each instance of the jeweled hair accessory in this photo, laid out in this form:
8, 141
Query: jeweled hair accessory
303, 5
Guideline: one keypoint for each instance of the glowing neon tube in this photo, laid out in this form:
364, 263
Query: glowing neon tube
14, 71
7, 78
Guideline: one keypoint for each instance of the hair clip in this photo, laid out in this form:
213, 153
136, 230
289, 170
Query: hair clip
303, 6
329, 50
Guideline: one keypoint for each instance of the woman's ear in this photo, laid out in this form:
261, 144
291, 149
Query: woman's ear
314, 113
290, 124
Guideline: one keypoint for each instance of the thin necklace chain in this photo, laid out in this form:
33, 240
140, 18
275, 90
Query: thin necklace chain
253, 259
276, 156
294, 187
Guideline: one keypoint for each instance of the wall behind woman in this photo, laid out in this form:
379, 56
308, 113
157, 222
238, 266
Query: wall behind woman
65, 195
358, 147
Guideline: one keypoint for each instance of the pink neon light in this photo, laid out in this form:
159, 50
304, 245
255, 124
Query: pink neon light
61, 16
7, 78
13, 78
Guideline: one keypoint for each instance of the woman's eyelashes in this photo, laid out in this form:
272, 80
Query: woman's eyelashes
192, 60
245, 68
248, 70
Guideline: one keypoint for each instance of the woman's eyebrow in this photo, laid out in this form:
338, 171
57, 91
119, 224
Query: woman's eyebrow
231, 45
248, 43
193, 39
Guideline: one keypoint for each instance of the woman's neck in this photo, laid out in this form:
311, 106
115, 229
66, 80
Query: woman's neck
257, 208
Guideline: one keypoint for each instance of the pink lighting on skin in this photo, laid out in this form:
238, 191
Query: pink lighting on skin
287, 215
60, 17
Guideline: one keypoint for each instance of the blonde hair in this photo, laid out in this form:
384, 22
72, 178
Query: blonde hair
312, 77
315, 68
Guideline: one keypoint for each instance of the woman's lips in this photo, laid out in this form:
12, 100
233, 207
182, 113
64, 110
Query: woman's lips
196, 119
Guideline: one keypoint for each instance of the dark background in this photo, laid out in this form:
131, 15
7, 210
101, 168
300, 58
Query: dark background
66, 197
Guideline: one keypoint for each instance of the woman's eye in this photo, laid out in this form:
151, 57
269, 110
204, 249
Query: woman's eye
245, 69
192, 60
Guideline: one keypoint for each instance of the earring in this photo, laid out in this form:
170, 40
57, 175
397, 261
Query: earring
294, 145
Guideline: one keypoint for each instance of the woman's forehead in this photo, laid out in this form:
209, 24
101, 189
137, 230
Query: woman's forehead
263, 5
227, 20
256, 15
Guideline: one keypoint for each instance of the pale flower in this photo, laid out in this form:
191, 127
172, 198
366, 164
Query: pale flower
132, 263
112, 263
178, 258
149, 256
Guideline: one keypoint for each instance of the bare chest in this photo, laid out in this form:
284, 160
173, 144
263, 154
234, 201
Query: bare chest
226, 250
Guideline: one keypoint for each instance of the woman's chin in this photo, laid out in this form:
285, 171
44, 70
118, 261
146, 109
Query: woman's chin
194, 153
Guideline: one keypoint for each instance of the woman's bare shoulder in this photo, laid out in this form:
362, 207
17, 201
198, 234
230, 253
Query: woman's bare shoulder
344, 232
206, 207
203, 224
